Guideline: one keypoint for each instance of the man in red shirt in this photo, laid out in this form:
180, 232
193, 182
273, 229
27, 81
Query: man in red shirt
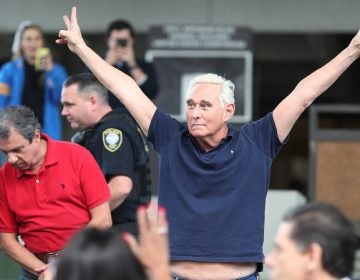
48, 191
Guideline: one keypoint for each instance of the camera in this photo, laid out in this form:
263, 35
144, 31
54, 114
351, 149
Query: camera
122, 43
41, 54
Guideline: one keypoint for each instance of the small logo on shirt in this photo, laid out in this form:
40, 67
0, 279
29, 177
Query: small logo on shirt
112, 139
62, 186
231, 151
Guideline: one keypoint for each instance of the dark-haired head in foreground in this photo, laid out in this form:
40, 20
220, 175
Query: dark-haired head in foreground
315, 241
98, 255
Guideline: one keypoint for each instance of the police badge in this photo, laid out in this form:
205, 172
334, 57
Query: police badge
112, 139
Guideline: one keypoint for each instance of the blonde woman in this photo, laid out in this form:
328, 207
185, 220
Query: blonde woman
21, 83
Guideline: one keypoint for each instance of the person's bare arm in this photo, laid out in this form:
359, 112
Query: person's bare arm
312, 86
19, 253
100, 216
121, 85
120, 187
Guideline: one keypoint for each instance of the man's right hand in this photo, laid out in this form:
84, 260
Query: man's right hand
72, 36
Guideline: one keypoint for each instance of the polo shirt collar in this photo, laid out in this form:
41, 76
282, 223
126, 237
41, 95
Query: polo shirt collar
229, 136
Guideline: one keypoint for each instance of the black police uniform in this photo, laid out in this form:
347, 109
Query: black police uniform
119, 147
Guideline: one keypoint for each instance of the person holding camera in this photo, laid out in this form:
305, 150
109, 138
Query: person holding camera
120, 38
32, 78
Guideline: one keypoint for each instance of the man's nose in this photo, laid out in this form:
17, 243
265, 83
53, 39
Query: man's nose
64, 111
12, 158
196, 112
269, 260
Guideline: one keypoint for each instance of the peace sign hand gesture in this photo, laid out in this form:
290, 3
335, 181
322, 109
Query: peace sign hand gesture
72, 36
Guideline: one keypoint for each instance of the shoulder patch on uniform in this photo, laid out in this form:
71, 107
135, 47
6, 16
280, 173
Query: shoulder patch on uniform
112, 139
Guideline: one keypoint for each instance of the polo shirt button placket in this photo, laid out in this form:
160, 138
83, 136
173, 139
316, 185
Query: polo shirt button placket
40, 190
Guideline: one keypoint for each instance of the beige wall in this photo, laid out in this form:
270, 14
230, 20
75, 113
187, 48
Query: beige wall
261, 15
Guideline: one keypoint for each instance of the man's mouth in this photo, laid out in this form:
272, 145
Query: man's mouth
197, 124
20, 166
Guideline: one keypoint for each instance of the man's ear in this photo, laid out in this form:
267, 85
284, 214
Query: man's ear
133, 41
93, 102
229, 111
93, 99
37, 136
315, 256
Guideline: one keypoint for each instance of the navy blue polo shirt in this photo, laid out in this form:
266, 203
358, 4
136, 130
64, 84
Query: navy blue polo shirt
215, 200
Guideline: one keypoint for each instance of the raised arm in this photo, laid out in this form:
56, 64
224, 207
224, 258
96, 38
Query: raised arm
120, 84
312, 86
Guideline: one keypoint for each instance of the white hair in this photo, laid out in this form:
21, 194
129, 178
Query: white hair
227, 93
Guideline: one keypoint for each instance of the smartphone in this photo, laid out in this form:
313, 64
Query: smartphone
122, 43
41, 53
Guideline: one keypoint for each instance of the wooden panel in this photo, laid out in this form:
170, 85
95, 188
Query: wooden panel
338, 175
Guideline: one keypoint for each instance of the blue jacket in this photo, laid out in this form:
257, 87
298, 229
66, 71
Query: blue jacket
11, 91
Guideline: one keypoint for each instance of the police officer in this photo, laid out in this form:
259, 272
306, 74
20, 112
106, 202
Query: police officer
116, 142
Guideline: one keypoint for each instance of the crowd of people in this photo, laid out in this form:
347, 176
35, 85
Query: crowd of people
72, 211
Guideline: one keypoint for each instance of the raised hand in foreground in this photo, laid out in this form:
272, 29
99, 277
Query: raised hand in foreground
151, 248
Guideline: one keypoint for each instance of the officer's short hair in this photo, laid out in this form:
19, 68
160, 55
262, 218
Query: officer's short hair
88, 83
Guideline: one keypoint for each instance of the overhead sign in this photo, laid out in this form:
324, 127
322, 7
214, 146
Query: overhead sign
221, 37
180, 52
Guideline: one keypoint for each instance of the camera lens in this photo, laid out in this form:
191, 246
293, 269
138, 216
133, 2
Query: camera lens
121, 43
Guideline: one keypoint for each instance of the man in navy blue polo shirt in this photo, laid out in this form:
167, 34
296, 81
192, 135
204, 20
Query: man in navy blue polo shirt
213, 179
